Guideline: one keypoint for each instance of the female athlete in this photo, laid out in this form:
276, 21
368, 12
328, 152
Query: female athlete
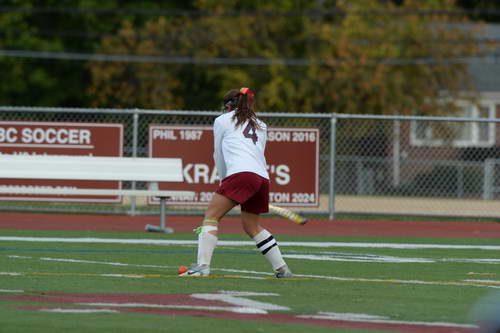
239, 144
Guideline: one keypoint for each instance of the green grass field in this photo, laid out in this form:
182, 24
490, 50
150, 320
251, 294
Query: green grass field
124, 283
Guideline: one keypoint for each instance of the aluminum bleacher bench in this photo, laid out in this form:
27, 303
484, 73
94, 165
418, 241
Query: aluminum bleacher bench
152, 170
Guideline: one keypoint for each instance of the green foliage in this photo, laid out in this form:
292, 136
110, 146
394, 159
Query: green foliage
40, 82
317, 62
348, 58
482, 5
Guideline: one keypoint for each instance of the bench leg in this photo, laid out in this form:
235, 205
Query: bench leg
162, 227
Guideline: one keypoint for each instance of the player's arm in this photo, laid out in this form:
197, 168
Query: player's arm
263, 137
218, 156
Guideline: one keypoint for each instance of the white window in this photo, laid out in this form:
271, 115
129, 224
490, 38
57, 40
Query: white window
457, 134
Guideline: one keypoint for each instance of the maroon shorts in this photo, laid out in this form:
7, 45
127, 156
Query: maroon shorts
248, 189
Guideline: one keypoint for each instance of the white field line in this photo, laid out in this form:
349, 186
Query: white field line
387, 259
358, 258
78, 261
102, 263
484, 281
291, 256
415, 282
11, 291
352, 317
464, 283
83, 261
251, 277
132, 276
247, 243
238, 299
472, 260
321, 257
237, 309
61, 310
355, 317
11, 273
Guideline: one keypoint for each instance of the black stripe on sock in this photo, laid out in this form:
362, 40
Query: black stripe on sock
265, 241
270, 247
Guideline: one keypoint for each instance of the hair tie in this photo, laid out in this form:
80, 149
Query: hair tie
246, 91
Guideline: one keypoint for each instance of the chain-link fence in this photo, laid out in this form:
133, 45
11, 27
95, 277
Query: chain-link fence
417, 166
136, 143
383, 164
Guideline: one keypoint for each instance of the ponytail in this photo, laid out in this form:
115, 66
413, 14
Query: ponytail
242, 101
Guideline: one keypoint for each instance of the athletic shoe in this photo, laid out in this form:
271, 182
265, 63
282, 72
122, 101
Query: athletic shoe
283, 272
197, 270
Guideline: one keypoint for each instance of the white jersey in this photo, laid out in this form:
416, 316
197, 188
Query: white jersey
239, 149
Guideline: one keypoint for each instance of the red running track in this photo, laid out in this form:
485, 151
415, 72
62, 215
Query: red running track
375, 228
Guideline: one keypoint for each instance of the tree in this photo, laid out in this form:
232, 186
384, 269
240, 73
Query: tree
59, 26
489, 11
360, 56
396, 65
19, 76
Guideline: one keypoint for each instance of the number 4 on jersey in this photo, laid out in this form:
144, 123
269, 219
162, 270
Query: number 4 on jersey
249, 132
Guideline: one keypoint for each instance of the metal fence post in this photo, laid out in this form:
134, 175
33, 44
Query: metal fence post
396, 154
333, 158
460, 181
135, 138
360, 188
489, 165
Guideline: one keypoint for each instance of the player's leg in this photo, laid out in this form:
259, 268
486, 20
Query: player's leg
207, 234
264, 240
251, 224
223, 200
217, 208
266, 243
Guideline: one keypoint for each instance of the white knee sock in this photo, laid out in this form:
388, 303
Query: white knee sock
206, 244
269, 248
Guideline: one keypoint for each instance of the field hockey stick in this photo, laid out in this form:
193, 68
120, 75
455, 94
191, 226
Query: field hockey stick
287, 213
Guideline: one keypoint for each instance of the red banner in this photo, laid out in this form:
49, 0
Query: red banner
292, 155
61, 138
